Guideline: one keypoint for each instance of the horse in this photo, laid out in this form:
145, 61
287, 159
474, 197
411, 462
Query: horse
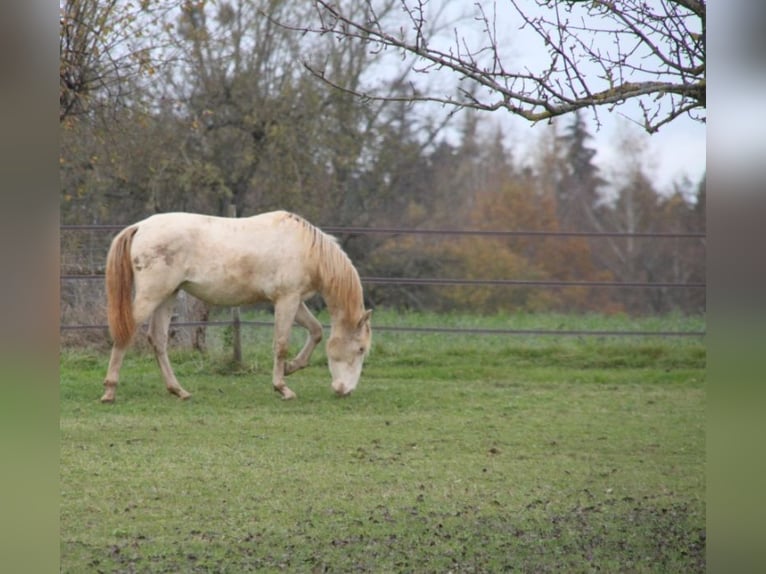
276, 256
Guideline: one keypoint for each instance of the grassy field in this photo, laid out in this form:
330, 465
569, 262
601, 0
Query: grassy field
455, 454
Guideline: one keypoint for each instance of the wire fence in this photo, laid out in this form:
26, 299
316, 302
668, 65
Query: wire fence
422, 281
453, 232
481, 282
446, 330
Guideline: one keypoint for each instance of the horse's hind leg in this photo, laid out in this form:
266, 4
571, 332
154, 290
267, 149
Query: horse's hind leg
158, 338
306, 320
141, 310
113, 373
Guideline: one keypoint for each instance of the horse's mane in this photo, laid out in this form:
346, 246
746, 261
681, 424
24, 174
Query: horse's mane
338, 278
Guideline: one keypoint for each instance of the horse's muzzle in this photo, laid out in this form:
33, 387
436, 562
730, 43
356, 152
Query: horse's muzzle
340, 389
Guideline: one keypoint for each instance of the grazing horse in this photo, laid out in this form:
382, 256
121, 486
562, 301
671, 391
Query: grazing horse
277, 256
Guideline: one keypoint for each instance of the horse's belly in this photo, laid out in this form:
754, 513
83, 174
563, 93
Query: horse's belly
226, 294
233, 293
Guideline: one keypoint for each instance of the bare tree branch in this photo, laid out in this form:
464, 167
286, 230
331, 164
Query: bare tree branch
602, 54
105, 47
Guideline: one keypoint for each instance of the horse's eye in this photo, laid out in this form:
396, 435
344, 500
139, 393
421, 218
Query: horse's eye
361, 350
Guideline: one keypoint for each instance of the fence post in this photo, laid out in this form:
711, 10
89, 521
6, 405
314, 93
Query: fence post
236, 337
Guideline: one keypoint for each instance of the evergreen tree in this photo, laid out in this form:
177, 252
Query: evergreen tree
579, 181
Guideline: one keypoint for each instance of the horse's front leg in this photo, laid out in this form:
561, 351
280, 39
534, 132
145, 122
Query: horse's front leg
285, 311
306, 320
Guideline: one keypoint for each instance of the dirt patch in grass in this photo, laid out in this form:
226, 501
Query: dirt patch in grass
611, 536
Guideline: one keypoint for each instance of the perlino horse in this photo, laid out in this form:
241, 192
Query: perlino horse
276, 256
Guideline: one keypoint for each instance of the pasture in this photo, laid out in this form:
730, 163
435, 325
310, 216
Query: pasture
455, 454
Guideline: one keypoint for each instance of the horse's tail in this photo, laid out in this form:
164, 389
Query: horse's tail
119, 288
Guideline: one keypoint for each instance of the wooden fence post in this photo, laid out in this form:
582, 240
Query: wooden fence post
236, 337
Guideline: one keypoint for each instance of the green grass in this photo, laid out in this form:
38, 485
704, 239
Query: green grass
456, 453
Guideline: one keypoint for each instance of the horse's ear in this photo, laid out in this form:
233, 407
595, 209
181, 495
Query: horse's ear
365, 318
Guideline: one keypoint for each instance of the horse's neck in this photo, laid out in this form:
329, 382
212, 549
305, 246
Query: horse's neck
341, 312
345, 305
339, 284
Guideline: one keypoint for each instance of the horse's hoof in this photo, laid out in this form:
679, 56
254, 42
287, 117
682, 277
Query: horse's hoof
285, 392
109, 388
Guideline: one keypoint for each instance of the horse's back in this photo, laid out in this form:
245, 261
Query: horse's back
192, 230
222, 260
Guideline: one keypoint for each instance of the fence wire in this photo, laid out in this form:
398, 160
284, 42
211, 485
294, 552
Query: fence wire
447, 330
455, 232
479, 282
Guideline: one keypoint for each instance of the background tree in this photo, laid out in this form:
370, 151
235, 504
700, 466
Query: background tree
105, 48
681, 260
638, 207
601, 54
579, 183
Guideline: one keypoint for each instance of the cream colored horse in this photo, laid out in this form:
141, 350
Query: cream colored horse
277, 256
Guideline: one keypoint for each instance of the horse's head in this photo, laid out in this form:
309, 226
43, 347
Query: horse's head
346, 350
